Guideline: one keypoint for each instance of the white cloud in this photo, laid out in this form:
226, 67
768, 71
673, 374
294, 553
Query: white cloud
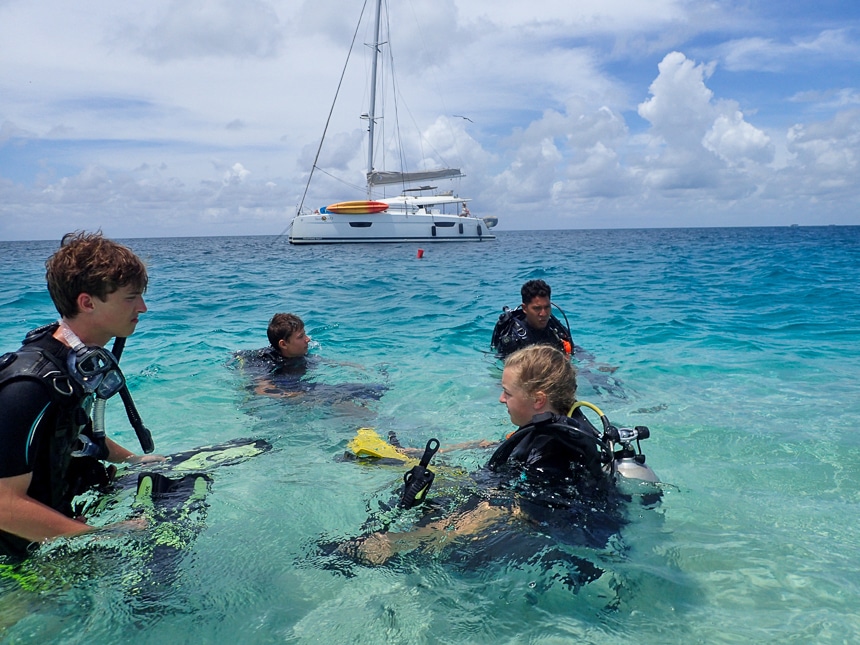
735, 140
773, 55
207, 28
829, 99
236, 174
680, 105
568, 17
698, 142
530, 176
136, 115
832, 148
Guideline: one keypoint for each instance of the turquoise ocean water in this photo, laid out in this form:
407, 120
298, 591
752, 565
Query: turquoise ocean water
739, 348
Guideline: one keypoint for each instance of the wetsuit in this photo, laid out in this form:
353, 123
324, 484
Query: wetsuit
549, 475
267, 364
42, 413
554, 450
512, 332
553, 470
277, 375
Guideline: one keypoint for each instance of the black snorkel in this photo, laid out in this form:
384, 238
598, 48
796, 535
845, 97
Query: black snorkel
144, 436
418, 480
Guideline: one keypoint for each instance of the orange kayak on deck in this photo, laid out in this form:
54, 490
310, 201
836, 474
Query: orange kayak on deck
360, 207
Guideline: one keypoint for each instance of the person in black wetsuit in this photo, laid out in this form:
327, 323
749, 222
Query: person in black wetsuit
53, 444
532, 323
279, 370
549, 473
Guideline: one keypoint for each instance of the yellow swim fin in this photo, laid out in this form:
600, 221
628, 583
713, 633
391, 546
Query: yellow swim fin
368, 443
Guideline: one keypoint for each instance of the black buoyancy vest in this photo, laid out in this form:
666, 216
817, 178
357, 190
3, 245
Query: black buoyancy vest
512, 333
64, 420
555, 446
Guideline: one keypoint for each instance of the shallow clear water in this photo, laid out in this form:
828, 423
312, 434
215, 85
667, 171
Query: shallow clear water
737, 347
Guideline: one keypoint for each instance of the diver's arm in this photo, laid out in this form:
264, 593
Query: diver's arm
28, 518
119, 455
25, 517
466, 445
23, 403
378, 548
265, 386
470, 445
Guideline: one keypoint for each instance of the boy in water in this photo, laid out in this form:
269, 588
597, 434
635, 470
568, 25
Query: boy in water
48, 388
281, 370
278, 368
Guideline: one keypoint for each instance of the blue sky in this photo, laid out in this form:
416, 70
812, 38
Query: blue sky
202, 117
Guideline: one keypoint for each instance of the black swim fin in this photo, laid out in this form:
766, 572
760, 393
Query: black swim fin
222, 454
170, 493
175, 508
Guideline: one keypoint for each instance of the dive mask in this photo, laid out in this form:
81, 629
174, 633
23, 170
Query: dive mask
94, 368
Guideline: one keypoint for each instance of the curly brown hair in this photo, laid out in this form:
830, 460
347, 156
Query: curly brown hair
90, 263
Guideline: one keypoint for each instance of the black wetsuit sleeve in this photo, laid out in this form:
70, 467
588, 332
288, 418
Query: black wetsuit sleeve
507, 342
22, 405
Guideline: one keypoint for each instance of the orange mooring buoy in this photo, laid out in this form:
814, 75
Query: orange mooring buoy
420, 253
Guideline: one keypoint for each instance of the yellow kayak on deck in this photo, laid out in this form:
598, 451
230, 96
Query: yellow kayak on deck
360, 207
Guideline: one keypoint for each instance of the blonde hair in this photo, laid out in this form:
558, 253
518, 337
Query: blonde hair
542, 368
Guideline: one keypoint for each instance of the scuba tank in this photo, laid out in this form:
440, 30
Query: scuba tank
628, 461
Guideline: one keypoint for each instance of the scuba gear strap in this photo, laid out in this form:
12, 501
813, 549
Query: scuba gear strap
501, 328
550, 444
418, 480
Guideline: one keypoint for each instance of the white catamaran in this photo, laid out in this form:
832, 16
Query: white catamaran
419, 214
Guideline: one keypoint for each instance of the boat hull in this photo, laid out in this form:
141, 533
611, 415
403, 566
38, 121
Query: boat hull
333, 228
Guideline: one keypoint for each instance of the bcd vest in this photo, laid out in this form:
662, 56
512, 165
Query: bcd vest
512, 333
552, 447
57, 476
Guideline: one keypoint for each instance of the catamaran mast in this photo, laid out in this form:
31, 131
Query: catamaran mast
371, 115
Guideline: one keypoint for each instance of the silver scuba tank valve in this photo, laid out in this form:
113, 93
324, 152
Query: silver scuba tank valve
629, 461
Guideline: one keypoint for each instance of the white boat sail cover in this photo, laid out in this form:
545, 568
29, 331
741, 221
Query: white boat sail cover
382, 177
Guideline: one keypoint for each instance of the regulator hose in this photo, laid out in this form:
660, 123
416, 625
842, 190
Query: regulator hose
144, 436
